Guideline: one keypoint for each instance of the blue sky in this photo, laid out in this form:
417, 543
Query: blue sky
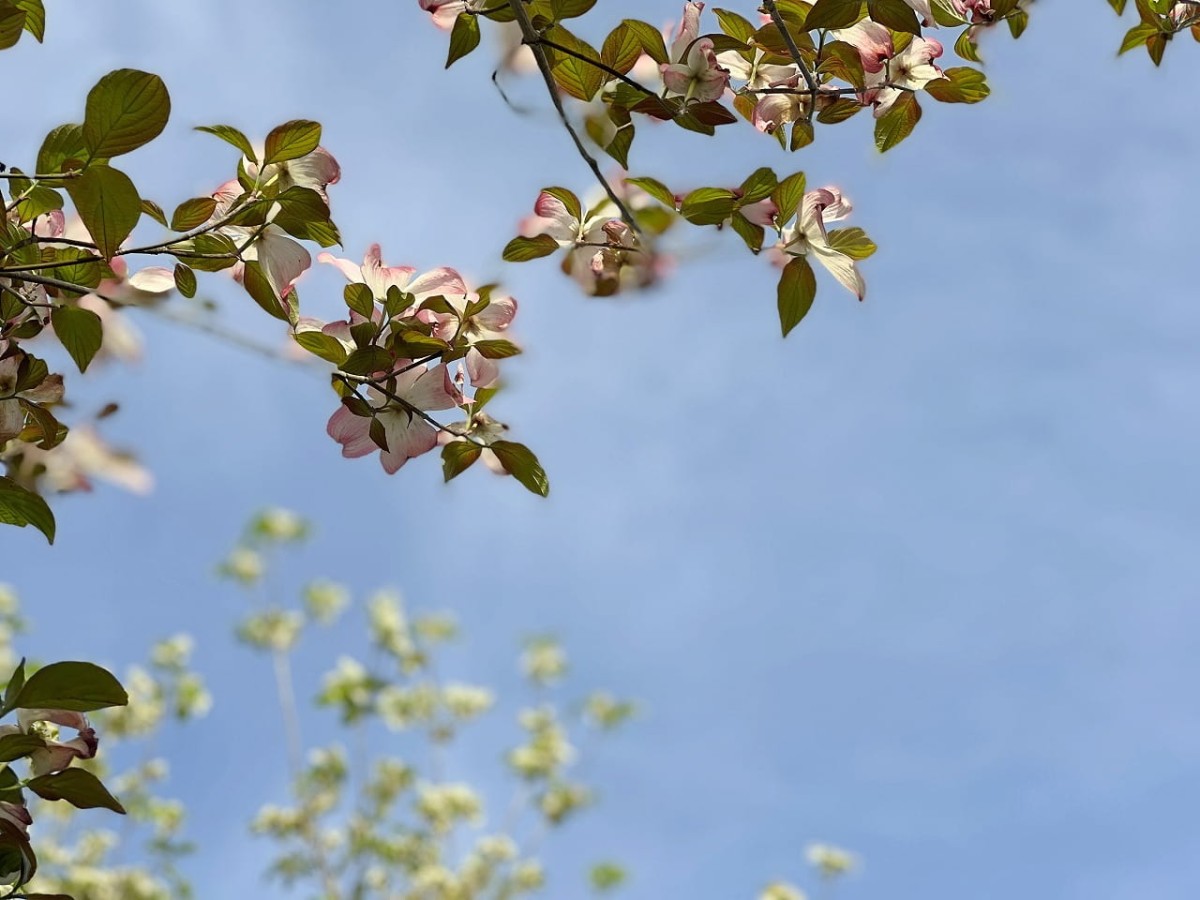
918, 580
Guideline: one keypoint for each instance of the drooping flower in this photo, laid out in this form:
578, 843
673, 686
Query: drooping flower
888, 73
283, 260
807, 236
406, 432
604, 255
480, 429
756, 73
56, 755
315, 170
694, 72
488, 324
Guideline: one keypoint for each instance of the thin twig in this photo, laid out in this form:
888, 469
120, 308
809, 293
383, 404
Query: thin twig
595, 63
531, 37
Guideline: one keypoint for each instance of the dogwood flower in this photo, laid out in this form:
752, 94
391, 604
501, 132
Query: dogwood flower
605, 256
773, 111
694, 72
378, 277
481, 429
488, 324
807, 236
888, 73
407, 434
444, 12
283, 260
315, 170
56, 755
756, 73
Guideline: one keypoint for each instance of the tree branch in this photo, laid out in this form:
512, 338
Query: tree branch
531, 37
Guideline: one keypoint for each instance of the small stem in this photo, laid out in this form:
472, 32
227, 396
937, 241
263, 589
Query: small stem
39, 177
794, 52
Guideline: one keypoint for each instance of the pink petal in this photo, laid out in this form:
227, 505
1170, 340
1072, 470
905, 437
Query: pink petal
438, 281
352, 432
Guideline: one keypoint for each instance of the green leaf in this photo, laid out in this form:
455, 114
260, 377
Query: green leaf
464, 37
211, 245
17, 858
109, 205
457, 457
291, 140
618, 147
74, 686
655, 189
650, 38
708, 206
231, 135
15, 683
38, 201
735, 25
35, 17
758, 186
62, 150
1156, 45
360, 299
12, 24
944, 13
326, 346
368, 360
967, 48
78, 787
497, 349
751, 234
577, 77
788, 195
894, 14
523, 249
21, 507
125, 110
185, 280
154, 211
851, 241
193, 213
16, 746
254, 280
621, 49
898, 122
1017, 21
519, 461
84, 271
797, 288
304, 214
377, 432
570, 9
962, 84
1137, 36
833, 14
